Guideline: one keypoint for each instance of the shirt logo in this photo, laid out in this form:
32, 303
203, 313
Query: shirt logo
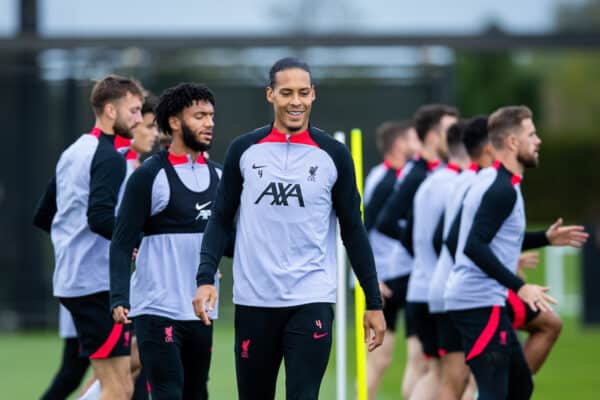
202, 213
168, 334
245, 348
259, 168
281, 193
312, 173
318, 336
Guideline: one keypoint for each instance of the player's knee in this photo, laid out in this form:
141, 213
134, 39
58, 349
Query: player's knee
554, 326
383, 361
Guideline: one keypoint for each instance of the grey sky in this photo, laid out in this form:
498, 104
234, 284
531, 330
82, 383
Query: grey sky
114, 17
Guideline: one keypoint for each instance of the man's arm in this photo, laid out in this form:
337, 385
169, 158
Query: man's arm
133, 213
346, 203
218, 234
107, 174
46, 208
452, 237
382, 191
398, 206
438, 236
496, 205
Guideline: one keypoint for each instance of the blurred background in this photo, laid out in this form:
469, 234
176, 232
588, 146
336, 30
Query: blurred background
372, 61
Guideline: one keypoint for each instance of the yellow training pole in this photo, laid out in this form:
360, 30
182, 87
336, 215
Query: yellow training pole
359, 295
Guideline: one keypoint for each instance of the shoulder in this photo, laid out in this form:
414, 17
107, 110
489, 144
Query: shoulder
242, 142
336, 150
147, 171
500, 192
218, 167
214, 164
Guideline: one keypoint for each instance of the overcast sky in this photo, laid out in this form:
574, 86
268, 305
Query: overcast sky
164, 17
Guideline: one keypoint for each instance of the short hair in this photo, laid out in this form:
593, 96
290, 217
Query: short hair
504, 120
475, 135
428, 116
387, 133
111, 88
150, 103
174, 99
454, 138
287, 63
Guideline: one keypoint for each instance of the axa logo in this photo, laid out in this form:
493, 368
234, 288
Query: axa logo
202, 211
282, 193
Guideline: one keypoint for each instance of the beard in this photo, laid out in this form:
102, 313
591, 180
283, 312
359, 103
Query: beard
527, 161
121, 128
189, 139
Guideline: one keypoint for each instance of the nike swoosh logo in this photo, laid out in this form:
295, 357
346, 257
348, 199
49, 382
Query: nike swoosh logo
319, 335
254, 166
201, 207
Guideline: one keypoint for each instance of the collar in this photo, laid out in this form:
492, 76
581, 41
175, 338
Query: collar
131, 155
473, 167
431, 165
453, 167
514, 179
388, 166
184, 159
119, 142
276, 136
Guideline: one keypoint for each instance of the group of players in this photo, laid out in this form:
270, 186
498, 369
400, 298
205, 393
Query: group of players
446, 222
137, 245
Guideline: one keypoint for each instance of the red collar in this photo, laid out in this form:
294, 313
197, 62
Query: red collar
431, 165
131, 155
119, 141
473, 167
298, 138
184, 159
515, 179
388, 166
453, 167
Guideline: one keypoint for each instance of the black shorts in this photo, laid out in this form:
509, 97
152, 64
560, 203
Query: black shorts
300, 335
448, 337
394, 304
518, 311
175, 356
484, 330
100, 337
425, 327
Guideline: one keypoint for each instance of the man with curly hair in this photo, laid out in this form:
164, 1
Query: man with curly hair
168, 199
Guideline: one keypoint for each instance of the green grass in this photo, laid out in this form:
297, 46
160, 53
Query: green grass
29, 361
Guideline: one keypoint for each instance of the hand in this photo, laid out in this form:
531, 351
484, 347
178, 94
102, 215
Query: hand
205, 294
385, 291
119, 315
570, 235
527, 260
374, 325
535, 296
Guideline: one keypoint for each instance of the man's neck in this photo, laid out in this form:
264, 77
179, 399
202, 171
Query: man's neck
105, 126
461, 162
510, 162
394, 162
283, 129
430, 154
179, 148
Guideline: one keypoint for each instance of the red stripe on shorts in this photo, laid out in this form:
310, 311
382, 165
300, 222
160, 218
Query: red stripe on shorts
108, 346
519, 312
488, 333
